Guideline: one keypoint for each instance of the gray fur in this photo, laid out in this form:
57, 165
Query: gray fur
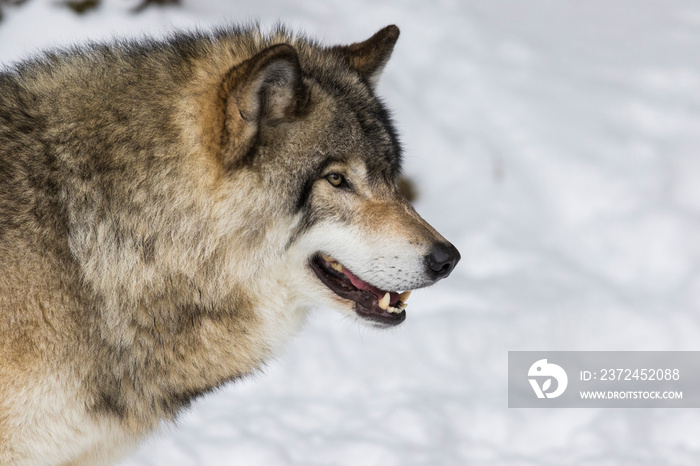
151, 193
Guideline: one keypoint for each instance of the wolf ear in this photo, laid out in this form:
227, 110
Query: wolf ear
263, 90
369, 57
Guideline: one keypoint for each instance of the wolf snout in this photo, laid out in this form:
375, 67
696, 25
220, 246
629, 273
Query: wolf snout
441, 260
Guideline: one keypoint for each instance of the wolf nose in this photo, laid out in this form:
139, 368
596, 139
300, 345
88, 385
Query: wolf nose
442, 260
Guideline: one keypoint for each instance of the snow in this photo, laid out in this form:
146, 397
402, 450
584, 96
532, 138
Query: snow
556, 144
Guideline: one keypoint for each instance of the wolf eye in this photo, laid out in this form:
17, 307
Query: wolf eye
335, 179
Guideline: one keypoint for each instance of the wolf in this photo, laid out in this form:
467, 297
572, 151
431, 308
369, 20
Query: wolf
170, 211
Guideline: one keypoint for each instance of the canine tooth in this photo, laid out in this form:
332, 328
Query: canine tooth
384, 302
403, 297
337, 266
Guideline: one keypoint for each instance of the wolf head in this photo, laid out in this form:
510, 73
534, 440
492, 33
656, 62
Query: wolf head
304, 122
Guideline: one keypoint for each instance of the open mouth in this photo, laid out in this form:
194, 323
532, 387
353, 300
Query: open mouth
371, 303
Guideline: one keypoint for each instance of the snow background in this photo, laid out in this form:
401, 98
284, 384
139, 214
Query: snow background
555, 143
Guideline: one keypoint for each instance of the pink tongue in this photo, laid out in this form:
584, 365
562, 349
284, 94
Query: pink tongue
362, 285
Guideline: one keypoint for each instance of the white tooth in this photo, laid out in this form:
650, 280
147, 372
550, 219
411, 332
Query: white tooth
337, 266
394, 310
403, 297
402, 305
326, 258
384, 302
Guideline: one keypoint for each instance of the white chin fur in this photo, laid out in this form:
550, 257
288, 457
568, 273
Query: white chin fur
389, 263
